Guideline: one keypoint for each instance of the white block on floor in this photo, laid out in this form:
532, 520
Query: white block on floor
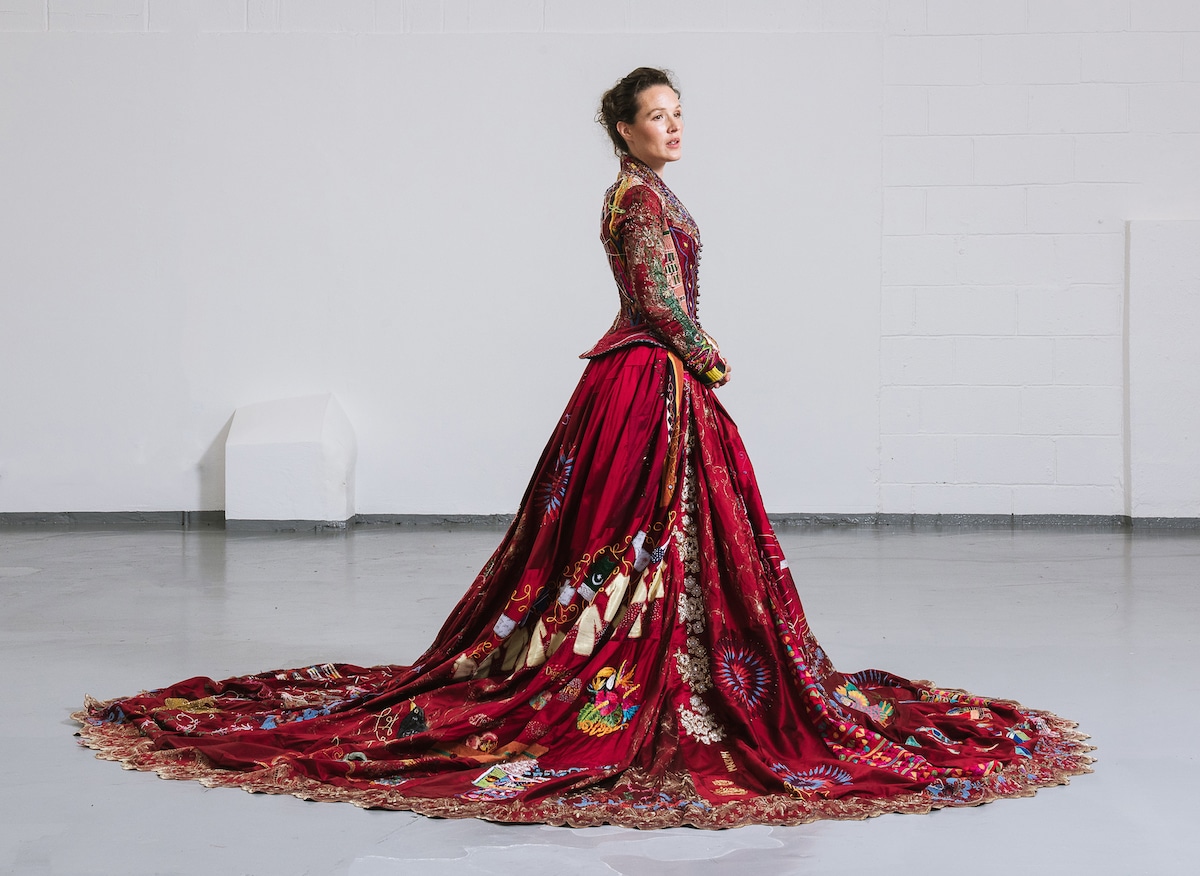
290, 460
1164, 369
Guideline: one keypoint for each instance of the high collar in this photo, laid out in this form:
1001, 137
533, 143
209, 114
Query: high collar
680, 217
637, 167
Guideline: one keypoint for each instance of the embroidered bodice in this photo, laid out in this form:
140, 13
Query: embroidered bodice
653, 248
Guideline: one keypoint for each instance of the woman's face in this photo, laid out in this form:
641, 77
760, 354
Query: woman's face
656, 133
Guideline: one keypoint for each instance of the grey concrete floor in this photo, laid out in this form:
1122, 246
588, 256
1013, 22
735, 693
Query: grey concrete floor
1099, 626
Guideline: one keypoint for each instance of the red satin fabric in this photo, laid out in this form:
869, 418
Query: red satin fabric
635, 653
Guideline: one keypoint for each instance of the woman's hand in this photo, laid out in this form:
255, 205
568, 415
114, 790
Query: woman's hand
721, 364
718, 375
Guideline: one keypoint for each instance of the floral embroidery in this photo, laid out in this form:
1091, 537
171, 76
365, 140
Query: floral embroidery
699, 722
959, 790
693, 667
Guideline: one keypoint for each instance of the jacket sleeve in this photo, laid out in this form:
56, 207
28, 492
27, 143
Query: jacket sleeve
655, 284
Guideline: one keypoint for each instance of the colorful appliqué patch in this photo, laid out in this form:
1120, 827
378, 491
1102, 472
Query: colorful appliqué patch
1021, 739
818, 779
979, 715
850, 696
742, 674
939, 736
506, 780
553, 490
611, 706
412, 723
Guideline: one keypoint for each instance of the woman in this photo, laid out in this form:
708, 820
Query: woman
634, 652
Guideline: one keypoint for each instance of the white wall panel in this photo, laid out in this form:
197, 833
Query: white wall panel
1164, 369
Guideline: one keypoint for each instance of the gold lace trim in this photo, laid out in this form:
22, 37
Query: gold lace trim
123, 743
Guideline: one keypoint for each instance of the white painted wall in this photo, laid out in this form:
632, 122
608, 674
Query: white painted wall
913, 215
1164, 369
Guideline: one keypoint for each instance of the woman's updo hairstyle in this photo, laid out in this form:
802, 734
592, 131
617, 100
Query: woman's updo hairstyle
620, 103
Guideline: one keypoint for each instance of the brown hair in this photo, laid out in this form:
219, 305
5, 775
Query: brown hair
620, 103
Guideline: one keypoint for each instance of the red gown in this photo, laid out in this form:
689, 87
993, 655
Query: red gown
634, 652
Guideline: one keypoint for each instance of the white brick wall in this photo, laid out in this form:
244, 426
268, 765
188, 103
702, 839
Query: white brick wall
504, 16
1078, 108
984, 361
963, 310
1079, 309
955, 16
1133, 57
1078, 16
323, 16
932, 60
1164, 15
1017, 138
975, 109
1034, 58
1017, 141
975, 209
22, 15
203, 16
1003, 459
1018, 159
1167, 107
1163, 368
97, 15
969, 410
571, 16
1191, 57
465, 16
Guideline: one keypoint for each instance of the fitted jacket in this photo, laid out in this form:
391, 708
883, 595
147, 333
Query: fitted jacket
653, 248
